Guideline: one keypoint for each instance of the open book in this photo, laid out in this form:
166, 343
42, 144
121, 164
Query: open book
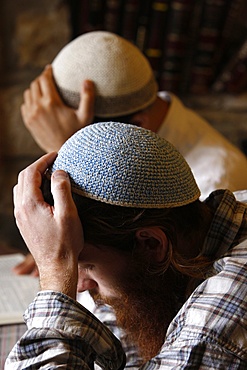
16, 291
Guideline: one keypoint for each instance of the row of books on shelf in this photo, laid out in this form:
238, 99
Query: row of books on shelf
193, 46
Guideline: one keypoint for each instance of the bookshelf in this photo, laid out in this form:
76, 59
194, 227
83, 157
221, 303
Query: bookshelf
194, 46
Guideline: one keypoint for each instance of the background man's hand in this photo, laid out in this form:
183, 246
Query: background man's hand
53, 234
48, 119
27, 266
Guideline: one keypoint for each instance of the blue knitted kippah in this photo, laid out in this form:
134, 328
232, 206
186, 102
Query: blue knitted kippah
126, 165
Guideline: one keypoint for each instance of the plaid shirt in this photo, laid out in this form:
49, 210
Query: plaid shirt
209, 331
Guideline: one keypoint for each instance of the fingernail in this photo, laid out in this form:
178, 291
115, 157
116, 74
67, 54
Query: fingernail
60, 174
87, 84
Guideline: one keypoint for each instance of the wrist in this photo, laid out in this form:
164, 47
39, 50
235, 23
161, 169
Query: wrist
60, 277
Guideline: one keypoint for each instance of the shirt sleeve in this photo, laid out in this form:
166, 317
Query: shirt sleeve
62, 334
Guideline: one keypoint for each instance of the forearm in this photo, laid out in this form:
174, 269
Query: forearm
63, 333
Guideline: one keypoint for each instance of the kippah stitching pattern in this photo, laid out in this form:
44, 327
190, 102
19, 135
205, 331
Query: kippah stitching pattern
113, 106
125, 165
123, 77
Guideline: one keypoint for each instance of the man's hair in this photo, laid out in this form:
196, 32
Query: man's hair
124, 119
115, 226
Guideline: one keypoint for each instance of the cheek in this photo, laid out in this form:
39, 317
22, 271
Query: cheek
108, 280
105, 267
111, 276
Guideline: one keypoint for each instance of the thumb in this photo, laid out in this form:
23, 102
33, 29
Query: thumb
85, 111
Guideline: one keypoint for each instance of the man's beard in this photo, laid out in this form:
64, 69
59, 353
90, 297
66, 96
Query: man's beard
144, 308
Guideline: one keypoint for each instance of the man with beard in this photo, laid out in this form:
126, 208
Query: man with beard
101, 76
118, 214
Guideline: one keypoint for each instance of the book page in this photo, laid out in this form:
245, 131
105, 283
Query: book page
16, 291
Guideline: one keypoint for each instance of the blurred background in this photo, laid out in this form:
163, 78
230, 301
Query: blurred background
197, 49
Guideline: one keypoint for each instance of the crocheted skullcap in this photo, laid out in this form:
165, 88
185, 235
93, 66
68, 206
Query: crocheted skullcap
125, 165
123, 77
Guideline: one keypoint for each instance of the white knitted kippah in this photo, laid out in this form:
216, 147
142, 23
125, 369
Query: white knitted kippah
126, 165
123, 77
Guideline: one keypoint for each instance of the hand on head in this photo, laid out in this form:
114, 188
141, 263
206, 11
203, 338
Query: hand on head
47, 118
53, 234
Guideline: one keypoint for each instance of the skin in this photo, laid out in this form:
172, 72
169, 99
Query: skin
46, 117
28, 266
56, 249
65, 263
94, 272
51, 122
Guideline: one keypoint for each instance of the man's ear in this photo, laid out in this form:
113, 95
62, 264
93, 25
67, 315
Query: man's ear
153, 242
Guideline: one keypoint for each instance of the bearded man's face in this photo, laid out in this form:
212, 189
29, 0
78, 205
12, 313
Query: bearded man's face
144, 302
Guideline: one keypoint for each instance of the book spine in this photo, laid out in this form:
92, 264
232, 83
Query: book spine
174, 45
233, 78
96, 15
82, 17
211, 25
156, 33
79, 12
113, 15
231, 38
86, 16
130, 19
192, 36
142, 26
